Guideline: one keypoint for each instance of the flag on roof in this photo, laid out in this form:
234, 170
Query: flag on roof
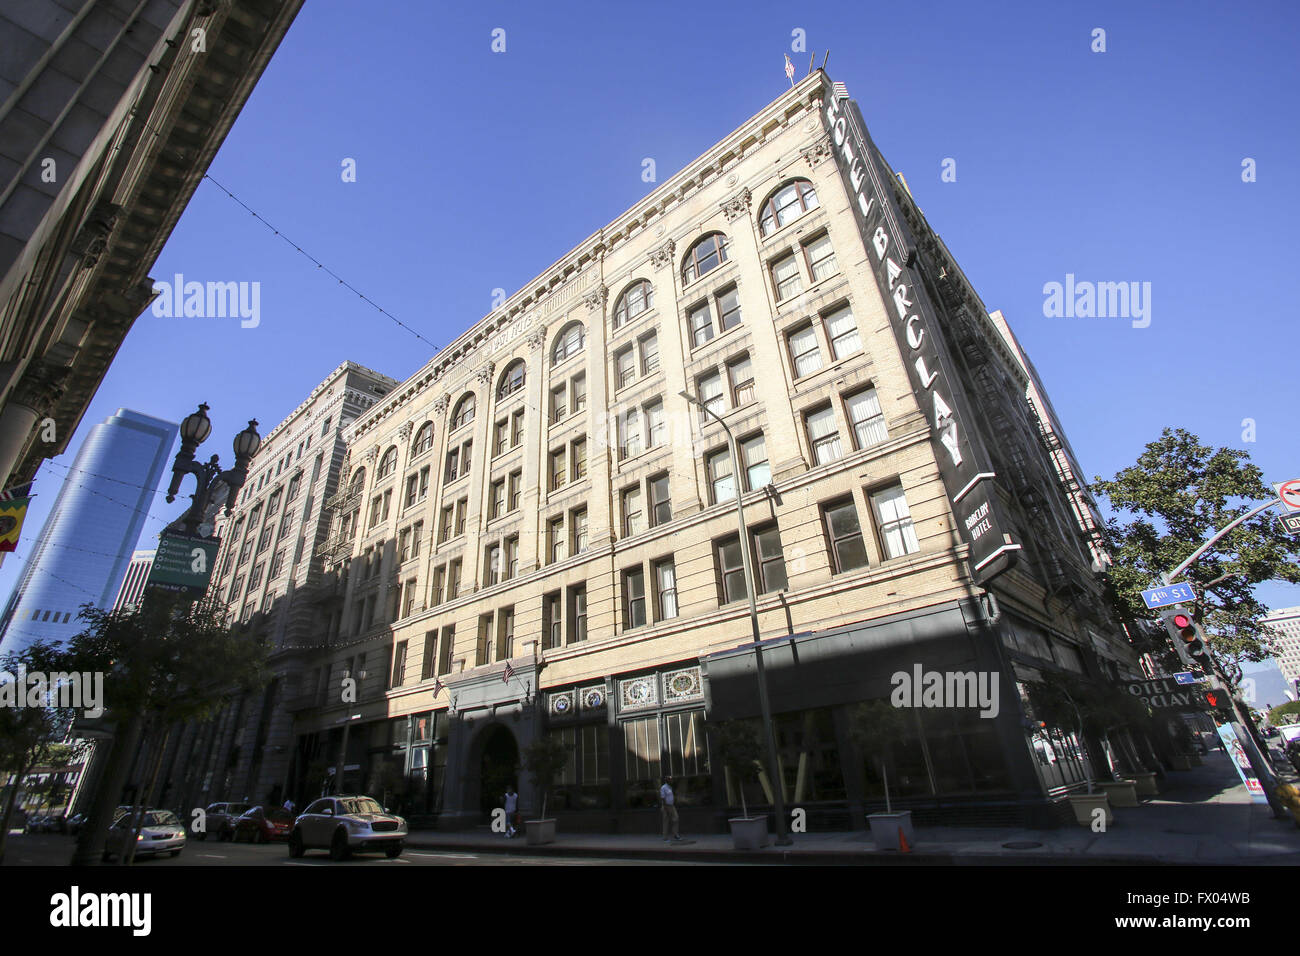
789, 68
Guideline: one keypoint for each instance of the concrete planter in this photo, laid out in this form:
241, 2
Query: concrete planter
1120, 793
1084, 804
885, 827
749, 833
1146, 784
538, 832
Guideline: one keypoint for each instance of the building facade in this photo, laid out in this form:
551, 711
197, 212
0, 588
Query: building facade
110, 114
137, 574
84, 549
1285, 625
537, 534
269, 571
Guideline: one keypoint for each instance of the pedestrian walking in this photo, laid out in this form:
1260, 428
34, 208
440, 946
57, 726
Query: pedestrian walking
512, 810
668, 810
288, 804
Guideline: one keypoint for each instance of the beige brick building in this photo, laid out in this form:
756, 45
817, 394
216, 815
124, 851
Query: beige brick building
536, 533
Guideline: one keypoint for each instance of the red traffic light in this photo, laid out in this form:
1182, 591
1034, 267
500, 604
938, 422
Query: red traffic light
1182, 621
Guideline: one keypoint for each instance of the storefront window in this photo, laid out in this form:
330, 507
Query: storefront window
810, 758
583, 784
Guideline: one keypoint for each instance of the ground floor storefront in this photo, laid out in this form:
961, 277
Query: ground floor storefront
981, 758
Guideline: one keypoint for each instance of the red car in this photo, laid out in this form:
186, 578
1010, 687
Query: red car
259, 825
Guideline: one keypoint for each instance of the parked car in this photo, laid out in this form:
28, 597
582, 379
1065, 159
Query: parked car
35, 823
260, 825
1293, 754
161, 831
219, 820
346, 825
75, 823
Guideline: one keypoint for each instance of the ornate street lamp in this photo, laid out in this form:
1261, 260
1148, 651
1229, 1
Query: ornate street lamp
194, 429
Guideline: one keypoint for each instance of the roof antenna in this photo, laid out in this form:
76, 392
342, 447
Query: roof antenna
827, 54
811, 60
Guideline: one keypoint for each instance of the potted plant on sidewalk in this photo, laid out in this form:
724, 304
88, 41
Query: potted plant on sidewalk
544, 758
875, 726
741, 751
1057, 704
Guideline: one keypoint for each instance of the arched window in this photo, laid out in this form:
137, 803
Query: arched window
388, 464
423, 440
705, 256
636, 299
464, 413
358, 483
512, 380
570, 342
786, 205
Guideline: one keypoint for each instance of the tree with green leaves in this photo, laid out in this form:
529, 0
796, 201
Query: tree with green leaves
740, 747
1283, 714
1164, 507
544, 758
168, 661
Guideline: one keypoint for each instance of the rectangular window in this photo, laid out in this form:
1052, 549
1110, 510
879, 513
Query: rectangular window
439, 582
821, 258
404, 545
579, 457
497, 498
842, 331
557, 470
897, 535
729, 309
630, 439
787, 277
388, 499
633, 514
461, 507
624, 368
492, 565
514, 490
866, 419
277, 563
661, 506
551, 622
634, 598
731, 570
649, 354
517, 428
264, 541
804, 353
559, 404
823, 436
771, 560
430, 663
753, 452
453, 579
447, 524
577, 613
506, 633
510, 557
845, 535
709, 390
666, 588
408, 598
721, 481
701, 324
444, 649
399, 664
579, 530
501, 436
453, 464
741, 373
579, 393
555, 539
483, 647
656, 426
417, 532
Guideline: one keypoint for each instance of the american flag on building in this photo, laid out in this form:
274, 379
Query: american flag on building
789, 68
437, 686
508, 673
17, 491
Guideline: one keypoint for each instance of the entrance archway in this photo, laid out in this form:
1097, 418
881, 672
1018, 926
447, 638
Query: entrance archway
498, 766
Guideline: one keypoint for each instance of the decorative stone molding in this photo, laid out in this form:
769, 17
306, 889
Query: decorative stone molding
404, 432
485, 373
737, 205
663, 256
40, 388
537, 339
440, 406
92, 240
818, 151
372, 453
596, 298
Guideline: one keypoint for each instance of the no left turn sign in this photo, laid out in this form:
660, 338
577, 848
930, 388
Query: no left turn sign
1289, 492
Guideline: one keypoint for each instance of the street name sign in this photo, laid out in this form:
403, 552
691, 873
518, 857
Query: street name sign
1187, 677
1290, 523
1168, 594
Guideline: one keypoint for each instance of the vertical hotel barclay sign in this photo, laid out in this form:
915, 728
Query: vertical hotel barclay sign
963, 461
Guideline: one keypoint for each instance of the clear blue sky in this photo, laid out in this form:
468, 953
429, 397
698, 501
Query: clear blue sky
476, 170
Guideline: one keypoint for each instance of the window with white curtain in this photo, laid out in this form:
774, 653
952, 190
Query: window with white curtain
805, 354
866, 419
823, 436
842, 330
897, 535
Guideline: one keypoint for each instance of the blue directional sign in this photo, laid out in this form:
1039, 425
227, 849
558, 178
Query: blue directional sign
1168, 594
1187, 677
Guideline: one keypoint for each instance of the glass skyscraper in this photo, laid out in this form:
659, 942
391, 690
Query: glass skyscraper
84, 549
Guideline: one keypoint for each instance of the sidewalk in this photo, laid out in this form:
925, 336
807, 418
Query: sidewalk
1204, 815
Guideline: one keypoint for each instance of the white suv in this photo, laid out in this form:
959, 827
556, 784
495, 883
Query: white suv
347, 824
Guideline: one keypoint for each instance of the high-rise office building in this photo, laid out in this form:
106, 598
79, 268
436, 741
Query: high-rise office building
1285, 625
82, 552
137, 574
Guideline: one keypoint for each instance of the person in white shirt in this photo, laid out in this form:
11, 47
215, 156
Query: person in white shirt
512, 807
668, 809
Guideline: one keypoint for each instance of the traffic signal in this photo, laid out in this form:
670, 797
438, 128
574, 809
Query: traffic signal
1220, 700
1189, 639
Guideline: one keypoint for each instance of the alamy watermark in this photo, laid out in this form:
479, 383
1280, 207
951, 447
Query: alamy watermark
961, 689
1098, 300
209, 300
67, 691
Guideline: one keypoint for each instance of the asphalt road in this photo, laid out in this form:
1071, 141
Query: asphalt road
48, 849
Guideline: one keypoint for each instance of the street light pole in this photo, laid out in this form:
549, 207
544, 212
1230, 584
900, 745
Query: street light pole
774, 767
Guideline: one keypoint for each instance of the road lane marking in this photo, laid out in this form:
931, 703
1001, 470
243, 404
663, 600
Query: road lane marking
213, 856
450, 856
